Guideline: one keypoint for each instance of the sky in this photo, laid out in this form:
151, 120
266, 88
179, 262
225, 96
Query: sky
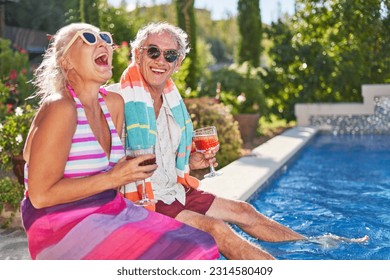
270, 9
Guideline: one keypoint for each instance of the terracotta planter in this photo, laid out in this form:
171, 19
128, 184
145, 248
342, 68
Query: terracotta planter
247, 124
18, 168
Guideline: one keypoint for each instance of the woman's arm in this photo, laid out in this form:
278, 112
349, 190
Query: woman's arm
50, 141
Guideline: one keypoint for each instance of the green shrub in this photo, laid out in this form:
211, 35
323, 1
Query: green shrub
13, 134
120, 61
11, 194
272, 125
205, 112
241, 88
14, 76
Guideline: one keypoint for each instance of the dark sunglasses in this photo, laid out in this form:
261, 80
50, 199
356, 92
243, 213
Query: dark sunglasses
154, 52
89, 38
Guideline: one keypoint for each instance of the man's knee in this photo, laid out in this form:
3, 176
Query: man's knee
214, 226
243, 208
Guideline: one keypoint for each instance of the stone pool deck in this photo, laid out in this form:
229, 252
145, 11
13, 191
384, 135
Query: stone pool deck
240, 180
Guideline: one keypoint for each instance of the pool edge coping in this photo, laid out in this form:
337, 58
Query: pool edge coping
252, 172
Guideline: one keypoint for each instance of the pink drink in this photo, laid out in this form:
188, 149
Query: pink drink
205, 143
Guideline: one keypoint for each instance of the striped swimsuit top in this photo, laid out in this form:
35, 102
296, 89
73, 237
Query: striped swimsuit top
86, 156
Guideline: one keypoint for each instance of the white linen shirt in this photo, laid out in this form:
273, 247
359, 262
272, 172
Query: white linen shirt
164, 179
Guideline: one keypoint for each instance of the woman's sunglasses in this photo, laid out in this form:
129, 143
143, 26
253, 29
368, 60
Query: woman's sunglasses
90, 38
154, 52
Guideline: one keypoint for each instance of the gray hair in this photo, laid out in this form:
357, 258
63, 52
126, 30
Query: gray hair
177, 34
50, 76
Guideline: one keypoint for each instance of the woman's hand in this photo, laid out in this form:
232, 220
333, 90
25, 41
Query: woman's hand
129, 170
200, 160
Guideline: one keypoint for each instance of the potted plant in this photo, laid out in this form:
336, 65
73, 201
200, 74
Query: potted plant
240, 87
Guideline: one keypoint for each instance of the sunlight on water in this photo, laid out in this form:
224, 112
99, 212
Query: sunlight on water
337, 193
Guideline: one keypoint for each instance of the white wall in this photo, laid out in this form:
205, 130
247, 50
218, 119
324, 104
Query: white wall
303, 112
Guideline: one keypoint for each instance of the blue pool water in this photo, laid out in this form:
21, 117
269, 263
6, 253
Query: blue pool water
337, 185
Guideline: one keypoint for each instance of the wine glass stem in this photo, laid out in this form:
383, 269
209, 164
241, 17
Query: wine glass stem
144, 196
212, 170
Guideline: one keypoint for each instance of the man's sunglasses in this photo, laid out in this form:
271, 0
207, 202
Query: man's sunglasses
154, 52
90, 38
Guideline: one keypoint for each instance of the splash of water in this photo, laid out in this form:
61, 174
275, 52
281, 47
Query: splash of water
333, 241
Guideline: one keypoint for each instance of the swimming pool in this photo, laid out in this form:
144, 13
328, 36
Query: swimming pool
336, 185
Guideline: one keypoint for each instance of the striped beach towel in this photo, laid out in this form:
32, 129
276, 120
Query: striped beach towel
140, 122
105, 225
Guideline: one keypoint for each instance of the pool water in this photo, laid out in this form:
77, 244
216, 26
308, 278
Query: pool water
337, 185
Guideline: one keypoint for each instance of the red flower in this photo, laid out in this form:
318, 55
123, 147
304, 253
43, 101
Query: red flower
9, 108
13, 74
124, 44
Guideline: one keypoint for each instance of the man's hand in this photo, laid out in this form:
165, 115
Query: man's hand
200, 160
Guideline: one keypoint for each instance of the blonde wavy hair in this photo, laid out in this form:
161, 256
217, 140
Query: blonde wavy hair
50, 77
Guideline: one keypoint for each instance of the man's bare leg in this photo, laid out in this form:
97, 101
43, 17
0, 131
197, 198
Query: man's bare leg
251, 221
229, 243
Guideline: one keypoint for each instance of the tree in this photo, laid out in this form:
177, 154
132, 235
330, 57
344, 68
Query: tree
117, 21
44, 15
326, 52
142, 15
89, 11
280, 87
186, 21
249, 23
222, 35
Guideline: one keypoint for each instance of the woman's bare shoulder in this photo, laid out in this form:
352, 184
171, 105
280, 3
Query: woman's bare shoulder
57, 107
115, 97
114, 102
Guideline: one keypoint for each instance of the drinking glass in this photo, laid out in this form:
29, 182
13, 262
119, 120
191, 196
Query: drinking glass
206, 139
137, 151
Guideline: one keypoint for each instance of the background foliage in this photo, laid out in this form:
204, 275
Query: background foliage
205, 112
236, 80
322, 53
186, 21
326, 51
14, 76
249, 22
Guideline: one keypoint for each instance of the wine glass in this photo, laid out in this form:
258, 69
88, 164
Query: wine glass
136, 151
206, 139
